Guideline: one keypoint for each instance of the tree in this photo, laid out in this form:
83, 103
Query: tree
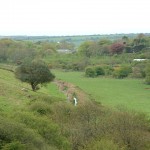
34, 72
87, 48
139, 43
104, 46
117, 48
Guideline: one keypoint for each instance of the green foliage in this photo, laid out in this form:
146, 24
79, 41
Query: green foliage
16, 51
91, 126
138, 70
122, 72
147, 71
14, 145
129, 129
108, 70
35, 72
16, 135
99, 71
90, 72
103, 144
46, 128
86, 49
40, 107
94, 71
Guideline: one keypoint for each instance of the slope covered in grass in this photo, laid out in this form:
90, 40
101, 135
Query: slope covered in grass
24, 116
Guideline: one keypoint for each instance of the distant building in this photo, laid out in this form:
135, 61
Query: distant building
139, 59
65, 51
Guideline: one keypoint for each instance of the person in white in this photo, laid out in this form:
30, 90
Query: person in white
75, 101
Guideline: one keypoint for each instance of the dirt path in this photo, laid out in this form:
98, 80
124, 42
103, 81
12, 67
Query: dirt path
71, 91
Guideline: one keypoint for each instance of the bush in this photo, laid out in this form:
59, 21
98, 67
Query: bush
138, 70
122, 72
108, 70
48, 130
94, 71
131, 130
90, 72
99, 71
14, 145
103, 144
40, 107
16, 135
147, 79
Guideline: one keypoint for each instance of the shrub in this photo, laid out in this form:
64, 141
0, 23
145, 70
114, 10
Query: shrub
147, 79
14, 145
40, 107
138, 70
99, 71
103, 144
108, 70
48, 130
131, 130
90, 72
122, 72
13, 134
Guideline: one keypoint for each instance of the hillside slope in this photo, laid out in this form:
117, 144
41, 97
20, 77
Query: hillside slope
23, 113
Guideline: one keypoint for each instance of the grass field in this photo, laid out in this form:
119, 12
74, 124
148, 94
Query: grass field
131, 93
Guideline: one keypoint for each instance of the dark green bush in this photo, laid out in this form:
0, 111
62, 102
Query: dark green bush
14, 145
90, 72
40, 107
99, 71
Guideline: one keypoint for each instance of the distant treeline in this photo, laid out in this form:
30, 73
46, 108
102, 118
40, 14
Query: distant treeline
76, 39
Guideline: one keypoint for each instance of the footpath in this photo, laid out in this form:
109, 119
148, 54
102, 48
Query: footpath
72, 92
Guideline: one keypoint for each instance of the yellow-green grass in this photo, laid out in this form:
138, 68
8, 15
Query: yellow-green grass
131, 93
12, 95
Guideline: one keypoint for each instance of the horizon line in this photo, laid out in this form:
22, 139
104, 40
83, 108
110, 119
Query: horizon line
75, 34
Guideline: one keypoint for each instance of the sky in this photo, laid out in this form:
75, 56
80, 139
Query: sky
73, 17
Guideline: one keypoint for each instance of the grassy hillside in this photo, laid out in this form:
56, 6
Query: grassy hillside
24, 116
131, 93
11, 93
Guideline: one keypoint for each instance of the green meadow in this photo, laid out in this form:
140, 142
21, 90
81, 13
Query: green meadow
129, 93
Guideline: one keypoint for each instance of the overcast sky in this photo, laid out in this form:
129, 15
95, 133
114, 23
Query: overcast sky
74, 17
